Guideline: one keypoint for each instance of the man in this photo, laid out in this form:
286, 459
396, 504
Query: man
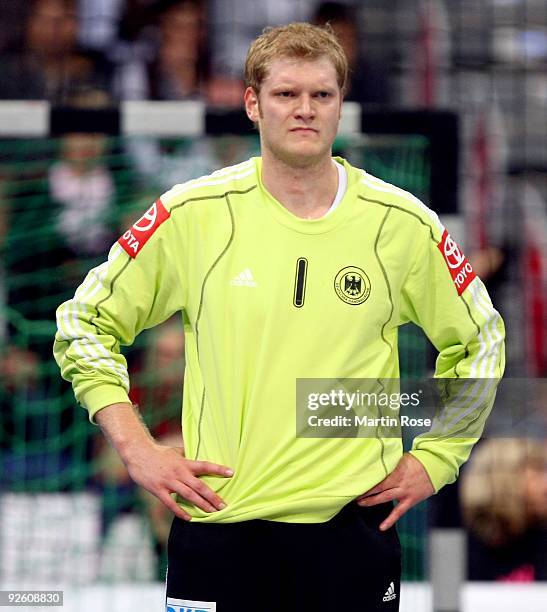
47, 63
289, 266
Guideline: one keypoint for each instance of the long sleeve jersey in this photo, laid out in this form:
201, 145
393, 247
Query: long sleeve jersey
268, 298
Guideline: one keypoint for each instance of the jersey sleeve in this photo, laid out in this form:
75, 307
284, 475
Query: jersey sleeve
138, 287
449, 302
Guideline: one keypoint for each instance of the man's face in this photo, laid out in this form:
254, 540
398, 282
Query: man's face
297, 110
52, 28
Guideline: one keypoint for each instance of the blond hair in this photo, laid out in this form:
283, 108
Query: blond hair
493, 501
295, 40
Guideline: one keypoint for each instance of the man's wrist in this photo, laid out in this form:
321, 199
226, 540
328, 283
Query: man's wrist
129, 449
122, 425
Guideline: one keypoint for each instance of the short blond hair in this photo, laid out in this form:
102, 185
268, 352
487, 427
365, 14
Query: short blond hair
492, 496
295, 40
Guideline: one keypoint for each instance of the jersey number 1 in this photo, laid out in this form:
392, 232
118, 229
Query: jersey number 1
300, 282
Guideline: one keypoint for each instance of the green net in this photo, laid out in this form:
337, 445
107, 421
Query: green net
68, 510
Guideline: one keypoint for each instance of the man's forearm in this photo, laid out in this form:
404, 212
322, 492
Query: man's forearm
161, 470
122, 425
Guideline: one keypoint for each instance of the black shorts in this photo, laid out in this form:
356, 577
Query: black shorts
345, 564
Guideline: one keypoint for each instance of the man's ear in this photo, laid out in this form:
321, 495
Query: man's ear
251, 104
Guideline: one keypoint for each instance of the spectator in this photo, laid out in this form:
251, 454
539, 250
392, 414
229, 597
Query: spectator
90, 189
504, 505
47, 63
83, 224
179, 70
368, 84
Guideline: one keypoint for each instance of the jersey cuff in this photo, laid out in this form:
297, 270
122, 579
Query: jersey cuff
100, 397
438, 470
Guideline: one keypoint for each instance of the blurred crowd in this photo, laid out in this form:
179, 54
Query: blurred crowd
156, 49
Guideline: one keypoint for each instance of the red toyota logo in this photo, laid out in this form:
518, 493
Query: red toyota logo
454, 257
131, 242
147, 220
460, 269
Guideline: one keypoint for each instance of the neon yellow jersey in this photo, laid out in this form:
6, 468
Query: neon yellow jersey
229, 256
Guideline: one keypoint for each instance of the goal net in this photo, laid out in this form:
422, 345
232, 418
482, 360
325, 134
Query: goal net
68, 510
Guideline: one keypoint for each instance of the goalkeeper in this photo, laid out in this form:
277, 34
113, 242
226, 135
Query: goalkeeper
287, 266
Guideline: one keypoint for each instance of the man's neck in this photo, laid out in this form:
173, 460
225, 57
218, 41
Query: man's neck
306, 192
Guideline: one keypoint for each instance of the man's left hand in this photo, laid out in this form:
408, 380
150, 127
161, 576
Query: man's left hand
409, 484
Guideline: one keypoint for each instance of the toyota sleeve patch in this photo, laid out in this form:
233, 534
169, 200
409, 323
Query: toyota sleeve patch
133, 239
460, 269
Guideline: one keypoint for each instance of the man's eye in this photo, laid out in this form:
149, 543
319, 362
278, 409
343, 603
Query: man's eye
285, 94
323, 94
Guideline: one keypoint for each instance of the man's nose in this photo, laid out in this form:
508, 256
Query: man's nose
305, 108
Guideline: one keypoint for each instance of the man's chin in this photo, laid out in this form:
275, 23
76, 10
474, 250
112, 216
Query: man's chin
302, 157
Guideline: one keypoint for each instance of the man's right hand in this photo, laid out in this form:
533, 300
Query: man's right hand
163, 470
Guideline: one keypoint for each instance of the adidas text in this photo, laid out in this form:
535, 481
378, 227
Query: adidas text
390, 593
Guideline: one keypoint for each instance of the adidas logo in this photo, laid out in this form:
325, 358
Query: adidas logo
244, 279
390, 593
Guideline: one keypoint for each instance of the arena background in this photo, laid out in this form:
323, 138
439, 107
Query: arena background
106, 104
